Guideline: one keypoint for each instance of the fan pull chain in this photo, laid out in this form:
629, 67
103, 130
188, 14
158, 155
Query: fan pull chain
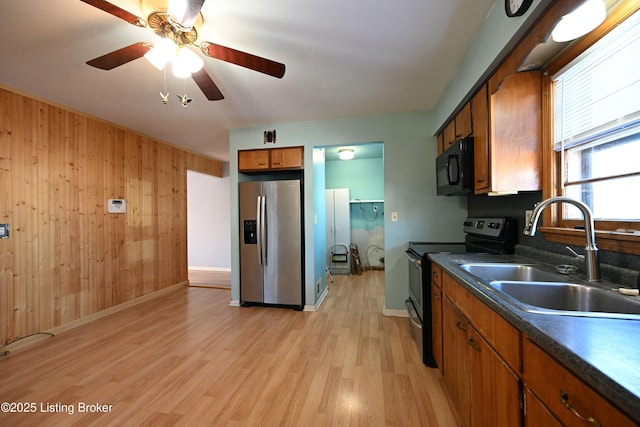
165, 95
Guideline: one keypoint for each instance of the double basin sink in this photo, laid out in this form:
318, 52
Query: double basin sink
532, 288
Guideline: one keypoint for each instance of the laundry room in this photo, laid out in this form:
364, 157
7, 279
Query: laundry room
354, 182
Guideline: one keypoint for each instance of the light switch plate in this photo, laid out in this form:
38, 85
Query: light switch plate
4, 231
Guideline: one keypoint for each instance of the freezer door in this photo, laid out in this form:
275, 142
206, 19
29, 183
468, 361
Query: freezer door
282, 242
251, 272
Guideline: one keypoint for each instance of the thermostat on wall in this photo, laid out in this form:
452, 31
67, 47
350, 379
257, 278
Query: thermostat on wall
116, 206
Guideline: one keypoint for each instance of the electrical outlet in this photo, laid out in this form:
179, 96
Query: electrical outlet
527, 215
4, 231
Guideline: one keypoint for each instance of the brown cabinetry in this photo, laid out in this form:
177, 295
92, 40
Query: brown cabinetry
515, 135
436, 313
562, 394
495, 388
461, 126
289, 158
464, 126
249, 160
449, 134
456, 359
479, 104
481, 353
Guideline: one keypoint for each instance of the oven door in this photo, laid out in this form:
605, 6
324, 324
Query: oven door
415, 283
415, 326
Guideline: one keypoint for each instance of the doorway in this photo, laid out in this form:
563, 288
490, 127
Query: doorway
363, 178
208, 229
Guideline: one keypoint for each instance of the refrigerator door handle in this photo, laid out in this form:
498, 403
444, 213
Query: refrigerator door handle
263, 230
259, 228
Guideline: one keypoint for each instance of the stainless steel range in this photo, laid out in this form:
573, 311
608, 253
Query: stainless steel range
482, 235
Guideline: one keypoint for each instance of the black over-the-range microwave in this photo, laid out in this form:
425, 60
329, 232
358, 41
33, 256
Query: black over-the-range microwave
454, 169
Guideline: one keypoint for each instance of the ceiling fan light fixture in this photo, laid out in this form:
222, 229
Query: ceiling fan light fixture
181, 70
346, 154
190, 60
163, 51
579, 22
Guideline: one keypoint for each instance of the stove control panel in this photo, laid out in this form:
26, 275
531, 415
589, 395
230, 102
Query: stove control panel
484, 226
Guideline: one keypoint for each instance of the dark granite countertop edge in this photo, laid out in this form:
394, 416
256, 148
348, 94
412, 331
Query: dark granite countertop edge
538, 327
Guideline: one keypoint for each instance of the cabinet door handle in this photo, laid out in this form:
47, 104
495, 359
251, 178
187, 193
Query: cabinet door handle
277, 163
480, 180
436, 295
459, 326
473, 344
564, 398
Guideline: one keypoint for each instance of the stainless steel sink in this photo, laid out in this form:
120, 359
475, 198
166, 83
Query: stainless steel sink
568, 299
510, 271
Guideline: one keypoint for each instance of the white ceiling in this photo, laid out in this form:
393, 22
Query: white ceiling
343, 58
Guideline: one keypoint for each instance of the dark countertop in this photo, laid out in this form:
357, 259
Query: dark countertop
604, 353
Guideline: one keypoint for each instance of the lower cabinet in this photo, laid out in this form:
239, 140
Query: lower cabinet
483, 387
456, 359
556, 392
486, 392
495, 376
496, 391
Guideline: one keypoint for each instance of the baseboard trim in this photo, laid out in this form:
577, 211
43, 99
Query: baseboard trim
394, 312
234, 303
209, 268
316, 307
32, 339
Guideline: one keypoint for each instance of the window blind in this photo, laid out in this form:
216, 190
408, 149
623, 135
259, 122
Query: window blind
599, 93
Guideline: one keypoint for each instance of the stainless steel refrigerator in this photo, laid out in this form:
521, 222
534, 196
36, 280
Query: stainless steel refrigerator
271, 243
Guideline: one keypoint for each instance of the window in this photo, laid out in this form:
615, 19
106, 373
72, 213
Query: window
597, 126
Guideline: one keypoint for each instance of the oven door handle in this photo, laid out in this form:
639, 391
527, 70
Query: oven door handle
413, 318
416, 261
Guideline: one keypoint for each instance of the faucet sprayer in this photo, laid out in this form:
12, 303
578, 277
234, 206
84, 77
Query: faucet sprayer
592, 264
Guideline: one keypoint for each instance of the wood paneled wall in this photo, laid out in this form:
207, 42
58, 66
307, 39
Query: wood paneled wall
66, 257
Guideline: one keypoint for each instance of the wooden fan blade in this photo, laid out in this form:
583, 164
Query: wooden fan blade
243, 59
117, 11
121, 56
207, 86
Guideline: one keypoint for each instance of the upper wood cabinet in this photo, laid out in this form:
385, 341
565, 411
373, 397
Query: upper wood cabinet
251, 160
463, 122
459, 127
515, 133
449, 134
507, 131
440, 142
480, 141
289, 158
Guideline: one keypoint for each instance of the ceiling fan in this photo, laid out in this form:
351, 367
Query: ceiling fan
177, 25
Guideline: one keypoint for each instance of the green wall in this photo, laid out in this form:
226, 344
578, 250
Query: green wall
365, 177
409, 189
409, 178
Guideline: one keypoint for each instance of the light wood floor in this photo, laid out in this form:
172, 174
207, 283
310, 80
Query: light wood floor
187, 358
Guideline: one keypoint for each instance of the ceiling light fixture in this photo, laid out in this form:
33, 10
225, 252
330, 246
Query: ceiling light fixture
183, 59
345, 154
579, 22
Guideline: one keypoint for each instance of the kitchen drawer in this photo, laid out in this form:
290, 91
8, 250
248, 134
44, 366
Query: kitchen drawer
551, 382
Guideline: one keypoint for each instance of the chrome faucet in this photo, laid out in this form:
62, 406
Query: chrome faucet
592, 264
